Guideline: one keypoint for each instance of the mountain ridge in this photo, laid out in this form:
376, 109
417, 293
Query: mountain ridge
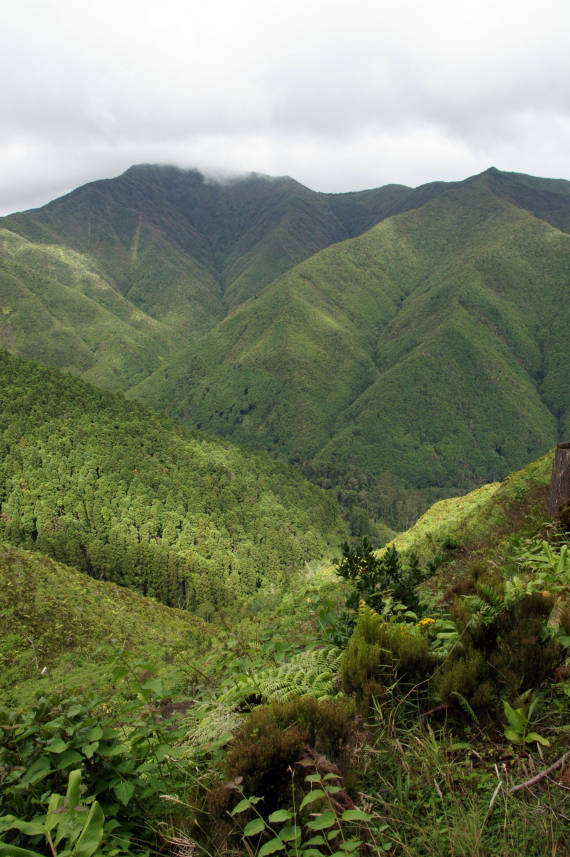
369, 361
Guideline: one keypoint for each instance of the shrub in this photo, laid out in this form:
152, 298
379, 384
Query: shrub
381, 653
264, 750
509, 653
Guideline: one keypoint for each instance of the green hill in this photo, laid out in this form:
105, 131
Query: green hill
58, 628
413, 362
124, 494
113, 278
399, 344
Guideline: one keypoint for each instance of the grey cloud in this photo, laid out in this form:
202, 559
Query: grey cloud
341, 96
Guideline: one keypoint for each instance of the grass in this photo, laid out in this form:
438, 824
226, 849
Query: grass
444, 796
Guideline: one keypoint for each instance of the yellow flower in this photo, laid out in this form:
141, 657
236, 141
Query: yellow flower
423, 623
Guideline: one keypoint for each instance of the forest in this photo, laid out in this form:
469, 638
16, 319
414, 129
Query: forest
122, 493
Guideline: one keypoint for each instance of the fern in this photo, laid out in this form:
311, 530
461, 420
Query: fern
465, 706
486, 611
313, 672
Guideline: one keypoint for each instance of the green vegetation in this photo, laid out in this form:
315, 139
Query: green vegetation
399, 345
58, 309
124, 494
57, 628
393, 367
417, 737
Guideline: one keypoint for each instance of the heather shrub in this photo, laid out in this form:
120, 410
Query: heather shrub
381, 653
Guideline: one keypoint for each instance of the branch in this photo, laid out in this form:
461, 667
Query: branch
540, 776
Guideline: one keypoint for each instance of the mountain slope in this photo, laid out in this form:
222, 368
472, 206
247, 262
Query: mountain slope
425, 355
54, 622
123, 493
56, 309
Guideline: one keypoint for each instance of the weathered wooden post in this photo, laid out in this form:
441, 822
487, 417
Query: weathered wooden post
560, 480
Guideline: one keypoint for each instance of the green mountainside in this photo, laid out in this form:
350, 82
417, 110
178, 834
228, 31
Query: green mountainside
55, 308
413, 362
398, 344
54, 621
114, 277
124, 494
442, 727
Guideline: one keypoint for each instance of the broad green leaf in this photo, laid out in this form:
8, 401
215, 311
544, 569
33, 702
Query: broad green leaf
155, 685
55, 803
314, 795
254, 827
56, 745
313, 778
310, 852
316, 840
332, 777
30, 828
119, 672
73, 795
92, 833
39, 769
516, 717
280, 815
14, 851
242, 805
332, 834
113, 750
289, 833
93, 734
270, 847
324, 820
69, 757
124, 792
534, 736
332, 790
355, 815
511, 735
89, 749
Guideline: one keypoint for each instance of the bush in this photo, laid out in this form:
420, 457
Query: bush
381, 653
264, 750
506, 655
127, 764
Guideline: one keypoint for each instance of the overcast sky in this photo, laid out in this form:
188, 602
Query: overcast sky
341, 96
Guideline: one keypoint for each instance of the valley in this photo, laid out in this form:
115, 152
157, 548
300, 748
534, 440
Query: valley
277, 568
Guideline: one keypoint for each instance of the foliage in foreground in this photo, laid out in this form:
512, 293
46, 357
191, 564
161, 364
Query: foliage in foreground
423, 768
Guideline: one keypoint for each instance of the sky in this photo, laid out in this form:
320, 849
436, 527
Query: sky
340, 95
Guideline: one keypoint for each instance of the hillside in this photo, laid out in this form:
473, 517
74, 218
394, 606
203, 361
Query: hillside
184, 249
124, 494
58, 628
413, 362
400, 345
420, 718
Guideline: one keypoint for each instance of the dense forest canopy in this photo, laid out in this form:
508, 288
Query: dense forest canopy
125, 494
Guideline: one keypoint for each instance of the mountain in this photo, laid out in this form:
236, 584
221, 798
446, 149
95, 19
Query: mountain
412, 362
122, 493
398, 344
